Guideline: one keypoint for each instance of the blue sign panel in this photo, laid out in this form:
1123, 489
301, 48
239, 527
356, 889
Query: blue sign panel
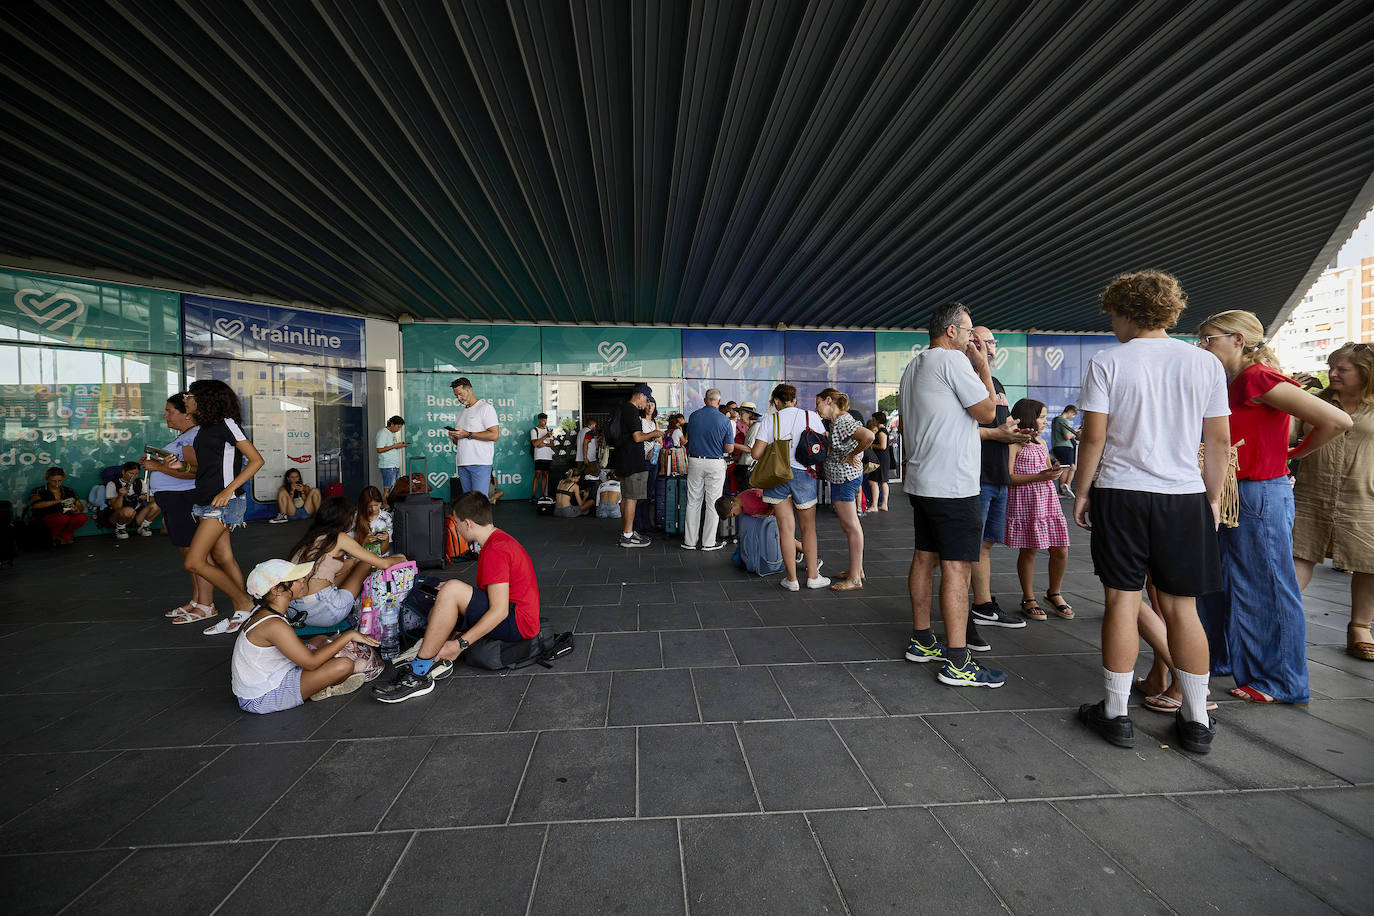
862, 395
1053, 360
738, 390
243, 330
731, 354
824, 356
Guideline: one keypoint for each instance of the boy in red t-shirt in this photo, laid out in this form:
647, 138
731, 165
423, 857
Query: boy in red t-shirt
747, 502
504, 604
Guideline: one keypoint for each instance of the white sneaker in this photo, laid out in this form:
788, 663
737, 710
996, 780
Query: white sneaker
144, 531
715, 546
791, 585
278, 520
121, 534
818, 582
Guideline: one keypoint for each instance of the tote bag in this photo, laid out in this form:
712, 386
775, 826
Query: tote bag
775, 467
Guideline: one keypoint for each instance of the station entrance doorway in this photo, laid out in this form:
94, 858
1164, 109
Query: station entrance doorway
571, 400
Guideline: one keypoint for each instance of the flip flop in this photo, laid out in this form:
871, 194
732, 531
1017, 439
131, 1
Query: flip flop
1163, 703
229, 624
1251, 694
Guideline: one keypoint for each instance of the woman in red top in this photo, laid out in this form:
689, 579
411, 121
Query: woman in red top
1255, 626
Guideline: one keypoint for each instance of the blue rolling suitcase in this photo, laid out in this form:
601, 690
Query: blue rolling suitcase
675, 505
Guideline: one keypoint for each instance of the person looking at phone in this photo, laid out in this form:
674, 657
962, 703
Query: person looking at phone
175, 494
58, 507
295, 498
390, 452
474, 432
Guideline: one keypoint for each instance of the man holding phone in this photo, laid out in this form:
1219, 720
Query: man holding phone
390, 454
475, 433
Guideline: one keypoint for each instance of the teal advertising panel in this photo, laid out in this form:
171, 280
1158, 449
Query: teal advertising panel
613, 352
895, 349
1009, 363
428, 405
464, 349
36, 308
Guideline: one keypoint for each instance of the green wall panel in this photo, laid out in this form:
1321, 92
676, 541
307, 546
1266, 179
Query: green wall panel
36, 308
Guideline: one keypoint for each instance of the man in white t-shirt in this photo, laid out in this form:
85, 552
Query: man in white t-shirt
1146, 405
475, 432
585, 447
541, 447
946, 391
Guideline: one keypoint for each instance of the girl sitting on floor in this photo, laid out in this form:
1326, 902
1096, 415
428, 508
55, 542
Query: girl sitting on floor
340, 564
272, 669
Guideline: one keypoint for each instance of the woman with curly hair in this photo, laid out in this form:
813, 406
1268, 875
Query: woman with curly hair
225, 462
1256, 630
1334, 495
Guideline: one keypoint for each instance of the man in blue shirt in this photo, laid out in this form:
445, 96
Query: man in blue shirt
710, 437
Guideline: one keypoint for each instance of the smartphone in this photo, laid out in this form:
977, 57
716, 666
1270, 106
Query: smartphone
452, 429
153, 451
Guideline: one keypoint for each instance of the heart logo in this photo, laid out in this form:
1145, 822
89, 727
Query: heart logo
471, 346
52, 312
437, 479
1001, 358
229, 327
830, 352
612, 351
1055, 357
734, 354
916, 349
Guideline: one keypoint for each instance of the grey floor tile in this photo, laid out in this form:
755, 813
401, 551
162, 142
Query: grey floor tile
669, 617
652, 698
693, 769
1191, 866
96, 723
418, 883
1316, 851
910, 764
564, 701
616, 619
730, 861
195, 719
348, 770
1016, 759
823, 691
904, 688
120, 790
738, 695
766, 646
1062, 679
20, 719
31, 778
584, 575
296, 724
726, 614
471, 705
579, 774
899, 861
361, 716
803, 766
791, 611
1292, 728
46, 883
648, 594
708, 592
840, 643
1014, 846
340, 874
179, 879
1352, 806
696, 649
226, 797
588, 871
625, 652
1334, 682
589, 596
463, 781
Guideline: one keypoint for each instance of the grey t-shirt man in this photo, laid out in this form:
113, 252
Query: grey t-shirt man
940, 438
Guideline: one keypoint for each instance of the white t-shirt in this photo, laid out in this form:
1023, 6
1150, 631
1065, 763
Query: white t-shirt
582, 449
1156, 392
479, 417
790, 423
541, 454
940, 438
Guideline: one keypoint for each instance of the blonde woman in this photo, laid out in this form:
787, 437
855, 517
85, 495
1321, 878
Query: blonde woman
1256, 630
1334, 495
844, 469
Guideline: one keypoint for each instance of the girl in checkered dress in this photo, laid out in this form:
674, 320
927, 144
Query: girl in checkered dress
1035, 520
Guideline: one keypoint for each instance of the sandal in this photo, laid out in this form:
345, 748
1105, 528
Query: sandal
180, 611
1358, 648
1034, 612
847, 585
201, 612
1162, 702
1059, 607
1251, 694
229, 624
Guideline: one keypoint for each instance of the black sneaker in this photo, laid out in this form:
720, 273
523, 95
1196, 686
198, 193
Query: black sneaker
1118, 731
634, 540
407, 685
1194, 736
441, 669
992, 615
973, 640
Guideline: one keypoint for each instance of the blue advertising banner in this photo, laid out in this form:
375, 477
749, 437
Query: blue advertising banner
738, 390
243, 330
824, 356
1053, 360
862, 395
725, 354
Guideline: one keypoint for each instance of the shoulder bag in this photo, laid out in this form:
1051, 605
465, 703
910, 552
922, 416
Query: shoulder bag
775, 467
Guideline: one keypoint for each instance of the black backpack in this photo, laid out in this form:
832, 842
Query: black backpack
615, 431
494, 655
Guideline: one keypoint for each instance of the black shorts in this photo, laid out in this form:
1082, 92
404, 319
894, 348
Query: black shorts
1169, 536
1064, 454
543, 464
953, 528
176, 515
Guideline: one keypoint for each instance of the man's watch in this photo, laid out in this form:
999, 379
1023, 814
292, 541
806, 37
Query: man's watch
463, 644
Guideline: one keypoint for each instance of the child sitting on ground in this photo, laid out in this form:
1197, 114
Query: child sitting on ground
503, 604
608, 497
749, 502
272, 669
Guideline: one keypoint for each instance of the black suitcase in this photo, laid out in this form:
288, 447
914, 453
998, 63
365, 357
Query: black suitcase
419, 530
9, 541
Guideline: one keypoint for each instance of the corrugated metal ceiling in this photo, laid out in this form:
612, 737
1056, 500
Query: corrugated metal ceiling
825, 163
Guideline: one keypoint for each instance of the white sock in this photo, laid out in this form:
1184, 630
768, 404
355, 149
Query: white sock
1118, 691
1194, 695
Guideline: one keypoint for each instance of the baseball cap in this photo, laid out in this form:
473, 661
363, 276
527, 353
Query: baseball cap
270, 573
645, 390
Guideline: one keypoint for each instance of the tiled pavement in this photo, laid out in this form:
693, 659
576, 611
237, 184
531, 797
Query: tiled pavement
714, 745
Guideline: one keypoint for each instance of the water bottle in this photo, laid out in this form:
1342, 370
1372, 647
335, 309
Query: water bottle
391, 631
367, 620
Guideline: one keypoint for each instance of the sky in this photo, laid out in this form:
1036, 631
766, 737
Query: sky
1360, 244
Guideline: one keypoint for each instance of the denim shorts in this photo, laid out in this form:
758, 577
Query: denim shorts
992, 505
325, 608
802, 489
231, 516
846, 491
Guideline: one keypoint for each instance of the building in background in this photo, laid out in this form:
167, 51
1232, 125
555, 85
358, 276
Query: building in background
1330, 314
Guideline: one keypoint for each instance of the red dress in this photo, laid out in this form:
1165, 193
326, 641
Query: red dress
1034, 517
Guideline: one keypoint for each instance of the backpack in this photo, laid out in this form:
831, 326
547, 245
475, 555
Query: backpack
96, 498
456, 547
812, 447
494, 655
544, 505
759, 550
615, 430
